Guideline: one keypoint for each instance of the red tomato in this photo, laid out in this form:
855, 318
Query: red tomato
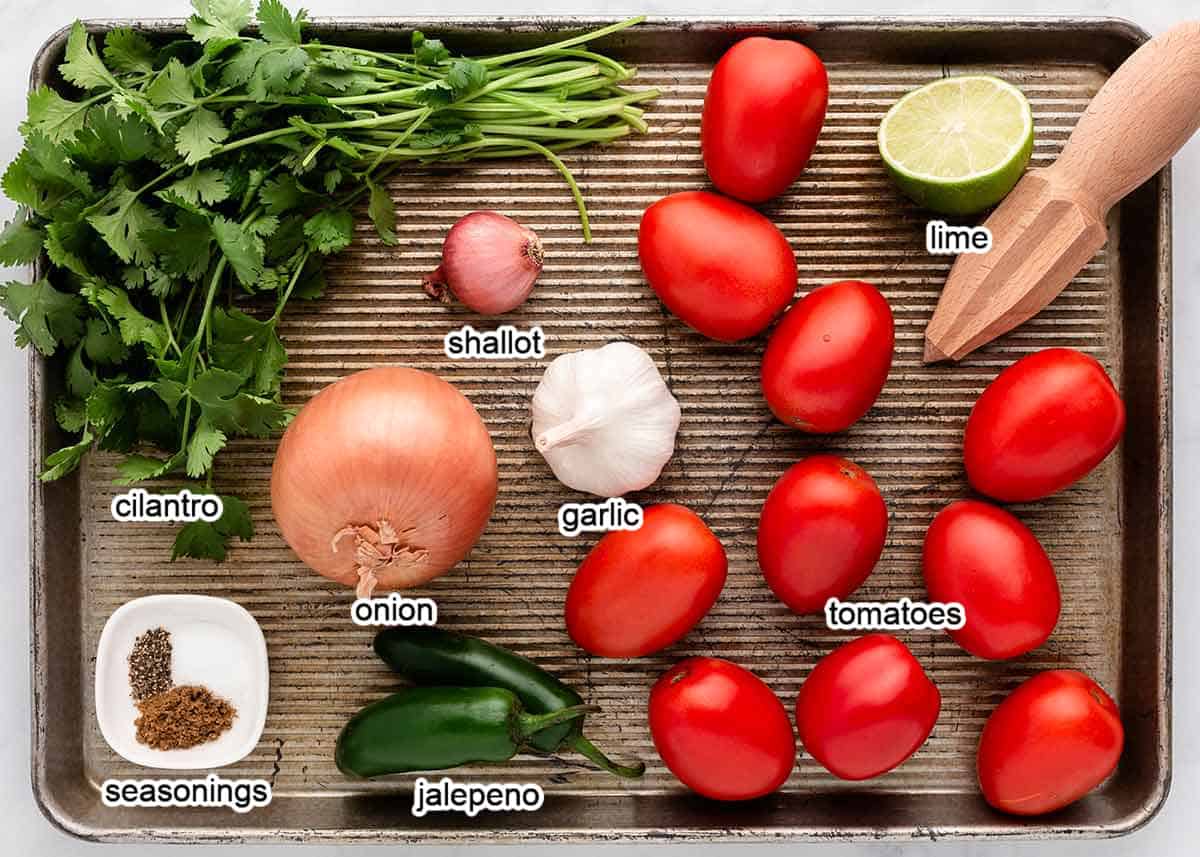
1050, 742
866, 707
1043, 424
829, 357
762, 113
720, 730
985, 559
641, 590
821, 532
717, 264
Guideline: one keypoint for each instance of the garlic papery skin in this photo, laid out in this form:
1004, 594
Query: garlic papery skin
605, 420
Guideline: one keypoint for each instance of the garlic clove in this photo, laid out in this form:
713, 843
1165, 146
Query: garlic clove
604, 419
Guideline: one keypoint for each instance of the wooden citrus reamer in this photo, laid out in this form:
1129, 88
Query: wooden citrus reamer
1052, 223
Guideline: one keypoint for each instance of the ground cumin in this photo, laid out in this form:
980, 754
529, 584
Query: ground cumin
182, 717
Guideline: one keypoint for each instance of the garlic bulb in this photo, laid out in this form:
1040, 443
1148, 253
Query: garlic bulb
604, 419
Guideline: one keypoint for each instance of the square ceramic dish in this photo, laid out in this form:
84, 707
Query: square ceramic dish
1109, 536
215, 644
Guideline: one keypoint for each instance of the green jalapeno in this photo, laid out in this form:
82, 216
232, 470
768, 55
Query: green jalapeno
431, 728
432, 656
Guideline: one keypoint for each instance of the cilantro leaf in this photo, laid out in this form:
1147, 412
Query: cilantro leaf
109, 138
466, 76
428, 51
383, 214
42, 176
240, 67
217, 391
279, 72
138, 468
284, 193
218, 19
124, 224
200, 135
136, 328
244, 251
330, 230
462, 78
276, 23
173, 85
311, 284
186, 250
83, 66
206, 186
205, 540
249, 347
65, 460
20, 242
105, 406
127, 50
53, 115
70, 415
45, 317
66, 243
206, 441
80, 379
102, 343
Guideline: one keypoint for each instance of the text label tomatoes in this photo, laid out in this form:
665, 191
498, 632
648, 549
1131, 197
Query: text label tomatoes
638, 591
722, 267
821, 532
720, 730
984, 558
866, 707
829, 357
762, 113
1050, 742
1042, 425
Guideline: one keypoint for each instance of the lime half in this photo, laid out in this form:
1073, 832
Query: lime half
959, 144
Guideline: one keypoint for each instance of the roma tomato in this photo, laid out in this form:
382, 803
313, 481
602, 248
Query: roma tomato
720, 730
640, 590
984, 558
829, 357
762, 113
866, 707
1042, 425
1050, 742
717, 264
821, 532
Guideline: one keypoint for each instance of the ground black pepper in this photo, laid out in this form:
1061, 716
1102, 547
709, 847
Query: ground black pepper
150, 664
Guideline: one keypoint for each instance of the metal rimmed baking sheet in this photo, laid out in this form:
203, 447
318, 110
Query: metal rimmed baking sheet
1109, 536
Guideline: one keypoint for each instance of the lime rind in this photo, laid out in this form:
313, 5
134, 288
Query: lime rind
958, 145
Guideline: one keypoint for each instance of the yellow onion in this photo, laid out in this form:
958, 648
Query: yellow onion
385, 479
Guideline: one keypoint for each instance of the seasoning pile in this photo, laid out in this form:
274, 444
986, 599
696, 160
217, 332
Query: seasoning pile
171, 717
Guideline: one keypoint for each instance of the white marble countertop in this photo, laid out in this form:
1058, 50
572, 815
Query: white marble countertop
1172, 834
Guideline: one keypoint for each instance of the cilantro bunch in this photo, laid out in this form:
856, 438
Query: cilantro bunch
184, 192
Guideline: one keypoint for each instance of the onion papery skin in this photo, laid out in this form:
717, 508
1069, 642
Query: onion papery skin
392, 445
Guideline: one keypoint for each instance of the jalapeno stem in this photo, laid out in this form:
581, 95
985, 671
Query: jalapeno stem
592, 753
530, 724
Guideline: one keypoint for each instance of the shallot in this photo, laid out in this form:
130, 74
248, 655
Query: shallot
385, 479
489, 262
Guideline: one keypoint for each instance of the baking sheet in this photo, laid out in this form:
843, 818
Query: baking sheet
1108, 536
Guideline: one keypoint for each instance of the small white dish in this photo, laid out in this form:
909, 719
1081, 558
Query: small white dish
215, 643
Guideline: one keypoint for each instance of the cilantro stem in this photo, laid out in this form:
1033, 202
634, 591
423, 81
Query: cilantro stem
166, 321
505, 59
218, 271
295, 278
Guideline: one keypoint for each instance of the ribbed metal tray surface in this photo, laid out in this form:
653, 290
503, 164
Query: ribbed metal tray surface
844, 220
